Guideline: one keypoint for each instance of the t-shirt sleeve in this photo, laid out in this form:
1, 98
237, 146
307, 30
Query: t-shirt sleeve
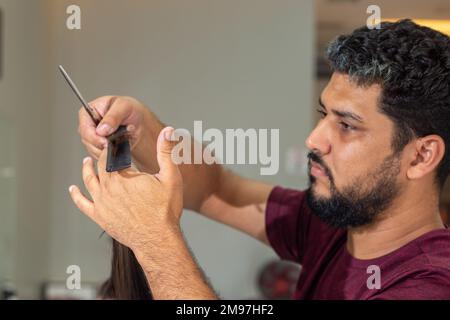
292, 230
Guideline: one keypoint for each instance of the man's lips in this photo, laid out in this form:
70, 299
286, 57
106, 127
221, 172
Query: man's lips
317, 170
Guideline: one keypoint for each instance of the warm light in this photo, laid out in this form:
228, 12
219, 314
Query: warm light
439, 25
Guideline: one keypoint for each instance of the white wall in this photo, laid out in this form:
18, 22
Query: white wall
230, 63
25, 108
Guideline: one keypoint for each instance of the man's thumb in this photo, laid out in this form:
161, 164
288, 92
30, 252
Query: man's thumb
168, 170
117, 114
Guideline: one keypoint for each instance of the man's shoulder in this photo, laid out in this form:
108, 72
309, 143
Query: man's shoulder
435, 249
427, 255
424, 275
429, 282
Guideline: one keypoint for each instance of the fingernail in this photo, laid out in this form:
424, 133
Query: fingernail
85, 160
104, 129
168, 133
71, 188
131, 128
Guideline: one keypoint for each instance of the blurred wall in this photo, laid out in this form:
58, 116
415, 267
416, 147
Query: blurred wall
232, 64
26, 120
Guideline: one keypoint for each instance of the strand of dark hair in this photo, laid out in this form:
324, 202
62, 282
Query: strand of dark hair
127, 280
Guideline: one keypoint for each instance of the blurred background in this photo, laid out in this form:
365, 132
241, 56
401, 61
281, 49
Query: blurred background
229, 63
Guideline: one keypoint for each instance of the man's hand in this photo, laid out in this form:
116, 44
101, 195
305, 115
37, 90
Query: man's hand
142, 125
143, 212
137, 209
209, 189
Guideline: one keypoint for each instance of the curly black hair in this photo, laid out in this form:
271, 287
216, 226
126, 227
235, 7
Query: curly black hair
411, 63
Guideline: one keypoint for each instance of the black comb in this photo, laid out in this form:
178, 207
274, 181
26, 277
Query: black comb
119, 151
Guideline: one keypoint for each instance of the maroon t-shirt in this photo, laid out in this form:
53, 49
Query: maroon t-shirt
418, 270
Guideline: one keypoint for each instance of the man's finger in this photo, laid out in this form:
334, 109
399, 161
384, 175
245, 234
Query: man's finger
101, 166
102, 104
169, 171
87, 130
90, 177
93, 151
117, 114
82, 203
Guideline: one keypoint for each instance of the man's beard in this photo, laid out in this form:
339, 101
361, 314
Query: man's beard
362, 201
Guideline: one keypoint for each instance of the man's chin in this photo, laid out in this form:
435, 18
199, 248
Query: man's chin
320, 191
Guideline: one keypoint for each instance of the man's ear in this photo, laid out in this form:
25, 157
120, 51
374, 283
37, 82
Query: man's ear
426, 155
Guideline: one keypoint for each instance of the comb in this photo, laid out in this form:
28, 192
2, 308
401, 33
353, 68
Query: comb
119, 151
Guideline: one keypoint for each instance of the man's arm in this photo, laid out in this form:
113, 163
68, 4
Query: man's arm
143, 211
239, 203
177, 276
208, 189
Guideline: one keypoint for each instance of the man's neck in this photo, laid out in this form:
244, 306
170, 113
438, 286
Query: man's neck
403, 222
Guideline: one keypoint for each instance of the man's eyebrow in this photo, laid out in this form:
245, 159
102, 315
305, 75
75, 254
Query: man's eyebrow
342, 114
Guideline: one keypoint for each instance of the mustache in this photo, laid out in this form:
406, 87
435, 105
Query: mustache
317, 159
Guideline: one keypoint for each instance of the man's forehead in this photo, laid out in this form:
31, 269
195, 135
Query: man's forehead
342, 92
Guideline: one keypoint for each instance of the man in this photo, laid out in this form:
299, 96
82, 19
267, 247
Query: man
369, 225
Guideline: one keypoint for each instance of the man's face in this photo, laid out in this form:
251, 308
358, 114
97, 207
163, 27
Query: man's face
353, 171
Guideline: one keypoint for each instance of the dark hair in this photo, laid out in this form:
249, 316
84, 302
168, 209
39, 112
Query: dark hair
127, 280
411, 63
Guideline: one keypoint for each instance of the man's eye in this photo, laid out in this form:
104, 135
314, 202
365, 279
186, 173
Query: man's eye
321, 113
346, 127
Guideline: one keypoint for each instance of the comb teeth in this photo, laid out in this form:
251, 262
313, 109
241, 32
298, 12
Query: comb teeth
119, 151
119, 136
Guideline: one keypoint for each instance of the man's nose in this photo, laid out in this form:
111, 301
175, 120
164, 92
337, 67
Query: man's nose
318, 140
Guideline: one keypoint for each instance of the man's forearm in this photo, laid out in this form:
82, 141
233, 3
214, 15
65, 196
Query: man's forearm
200, 180
171, 271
